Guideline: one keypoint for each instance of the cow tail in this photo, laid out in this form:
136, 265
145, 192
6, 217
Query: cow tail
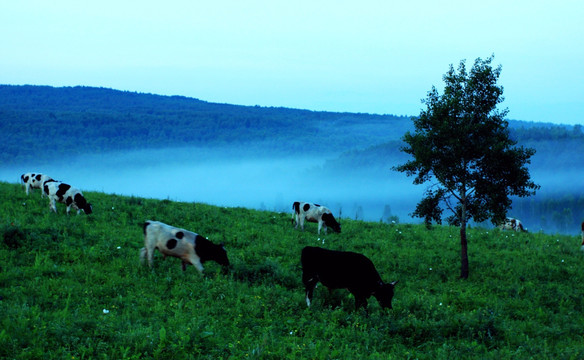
145, 226
296, 207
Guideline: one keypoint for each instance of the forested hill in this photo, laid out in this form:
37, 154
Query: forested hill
44, 122
40, 122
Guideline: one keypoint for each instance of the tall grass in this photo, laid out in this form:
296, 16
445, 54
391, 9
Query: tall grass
72, 287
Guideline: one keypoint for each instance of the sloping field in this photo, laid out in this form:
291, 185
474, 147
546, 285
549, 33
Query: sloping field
72, 287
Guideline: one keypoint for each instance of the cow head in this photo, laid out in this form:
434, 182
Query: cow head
206, 250
221, 255
385, 294
82, 204
88, 209
330, 222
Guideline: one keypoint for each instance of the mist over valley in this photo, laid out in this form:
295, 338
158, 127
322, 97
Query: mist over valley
220, 178
189, 150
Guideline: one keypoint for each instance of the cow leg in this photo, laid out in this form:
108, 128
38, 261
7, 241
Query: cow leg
150, 254
52, 206
309, 283
302, 223
143, 254
199, 266
196, 261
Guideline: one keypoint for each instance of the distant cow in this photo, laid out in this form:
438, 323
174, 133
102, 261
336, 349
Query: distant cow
190, 247
314, 213
34, 181
66, 194
344, 270
512, 224
582, 246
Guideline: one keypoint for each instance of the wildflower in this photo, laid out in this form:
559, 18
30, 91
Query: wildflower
119, 247
105, 311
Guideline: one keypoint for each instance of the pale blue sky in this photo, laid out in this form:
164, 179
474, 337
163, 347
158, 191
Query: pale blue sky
358, 56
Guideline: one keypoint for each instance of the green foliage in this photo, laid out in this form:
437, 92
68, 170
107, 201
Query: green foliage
72, 287
461, 141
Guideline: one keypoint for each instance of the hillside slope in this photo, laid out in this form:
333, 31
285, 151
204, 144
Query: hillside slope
72, 287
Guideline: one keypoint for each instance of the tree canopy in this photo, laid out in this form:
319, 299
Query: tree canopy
461, 146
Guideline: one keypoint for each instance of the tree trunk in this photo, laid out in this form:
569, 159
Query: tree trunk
463, 251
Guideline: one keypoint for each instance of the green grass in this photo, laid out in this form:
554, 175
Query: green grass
59, 273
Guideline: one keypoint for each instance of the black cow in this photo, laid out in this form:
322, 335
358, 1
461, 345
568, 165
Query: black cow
344, 270
190, 247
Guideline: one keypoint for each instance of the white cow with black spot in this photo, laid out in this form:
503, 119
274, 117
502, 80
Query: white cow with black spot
314, 213
66, 194
34, 181
512, 224
190, 247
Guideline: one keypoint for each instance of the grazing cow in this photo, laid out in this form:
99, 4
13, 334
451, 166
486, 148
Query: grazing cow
314, 213
344, 270
186, 245
582, 246
66, 194
34, 181
512, 224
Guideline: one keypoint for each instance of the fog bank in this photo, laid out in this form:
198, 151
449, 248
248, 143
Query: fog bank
235, 180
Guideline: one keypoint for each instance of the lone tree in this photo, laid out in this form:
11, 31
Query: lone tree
461, 146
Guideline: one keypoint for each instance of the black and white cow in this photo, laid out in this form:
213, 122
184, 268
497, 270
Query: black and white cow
190, 247
314, 213
582, 246
66, 194
512, 224
344, 270
34, 181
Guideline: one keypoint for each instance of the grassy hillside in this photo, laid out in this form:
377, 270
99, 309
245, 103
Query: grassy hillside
72, 288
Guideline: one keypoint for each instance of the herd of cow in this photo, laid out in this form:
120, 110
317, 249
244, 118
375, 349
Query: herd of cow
334, 269
56, 191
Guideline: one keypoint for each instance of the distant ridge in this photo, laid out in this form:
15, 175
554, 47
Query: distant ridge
41, 122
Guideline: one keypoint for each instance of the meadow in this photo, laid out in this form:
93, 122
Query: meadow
72, 287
